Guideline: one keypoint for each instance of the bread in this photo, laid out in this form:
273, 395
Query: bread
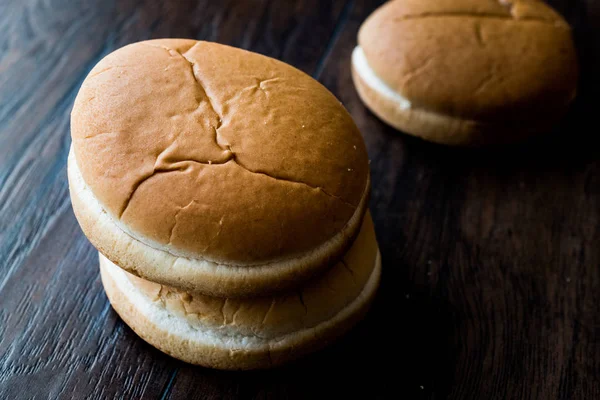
249, 333
211, 168
226, 193
466, 72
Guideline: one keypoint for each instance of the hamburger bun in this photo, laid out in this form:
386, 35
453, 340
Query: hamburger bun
466, 72
249, 333
213, 169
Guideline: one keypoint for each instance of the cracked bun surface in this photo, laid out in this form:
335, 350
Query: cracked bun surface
210, 168
249, 333
466, 72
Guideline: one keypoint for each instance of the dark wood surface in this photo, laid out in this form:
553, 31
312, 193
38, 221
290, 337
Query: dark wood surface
491, 285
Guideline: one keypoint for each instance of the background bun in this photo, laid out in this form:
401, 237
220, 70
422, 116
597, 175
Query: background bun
479, 68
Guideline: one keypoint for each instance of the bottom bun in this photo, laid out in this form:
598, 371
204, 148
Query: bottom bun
436, 127
253, 336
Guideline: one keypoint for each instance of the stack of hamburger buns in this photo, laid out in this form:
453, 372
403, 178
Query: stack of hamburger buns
226, 193
466, 72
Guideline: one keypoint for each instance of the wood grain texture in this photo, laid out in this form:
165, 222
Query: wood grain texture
491, 285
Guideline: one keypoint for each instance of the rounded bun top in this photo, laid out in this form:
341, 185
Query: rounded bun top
215, 152
478, 59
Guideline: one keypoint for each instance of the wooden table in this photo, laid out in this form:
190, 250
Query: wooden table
491, 286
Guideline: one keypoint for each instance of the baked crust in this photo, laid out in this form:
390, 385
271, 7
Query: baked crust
471, 60
217, 153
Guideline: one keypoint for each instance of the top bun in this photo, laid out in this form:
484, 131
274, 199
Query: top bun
476, 60
218, 157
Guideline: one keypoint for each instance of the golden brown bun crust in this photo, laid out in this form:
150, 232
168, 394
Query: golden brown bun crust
474, 59
271, 316
216, 152
444, 129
